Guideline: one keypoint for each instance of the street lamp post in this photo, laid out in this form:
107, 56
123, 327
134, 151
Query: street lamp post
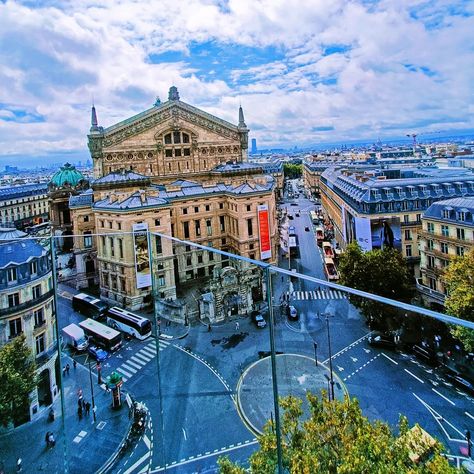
315, 344
330, 360
99, 373
92, 392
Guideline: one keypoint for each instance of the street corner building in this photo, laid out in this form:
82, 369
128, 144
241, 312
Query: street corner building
175, 171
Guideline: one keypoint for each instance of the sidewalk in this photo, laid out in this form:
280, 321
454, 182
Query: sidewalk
296, 375
85, 447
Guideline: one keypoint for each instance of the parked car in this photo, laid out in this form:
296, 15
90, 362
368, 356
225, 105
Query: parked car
258, 319
380, 339
460, 382
292, 313
99, 354
294, 203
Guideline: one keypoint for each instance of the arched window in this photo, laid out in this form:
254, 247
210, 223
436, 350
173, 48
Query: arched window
175, 144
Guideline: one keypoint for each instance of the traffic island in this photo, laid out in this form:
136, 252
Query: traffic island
296, 375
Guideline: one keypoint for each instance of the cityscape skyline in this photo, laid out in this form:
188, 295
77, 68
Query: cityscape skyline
304, 72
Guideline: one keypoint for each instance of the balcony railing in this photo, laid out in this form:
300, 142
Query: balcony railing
437, 296
27, 304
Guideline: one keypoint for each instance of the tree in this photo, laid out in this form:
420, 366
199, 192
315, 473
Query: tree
292, 171
337, 438
18, 379
459, 280
381, 272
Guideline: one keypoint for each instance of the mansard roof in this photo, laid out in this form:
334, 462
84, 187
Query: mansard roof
138, 199
120, 179
82, 200
14, 192
450, 210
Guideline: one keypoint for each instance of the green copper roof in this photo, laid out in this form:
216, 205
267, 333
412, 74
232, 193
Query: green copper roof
67, 175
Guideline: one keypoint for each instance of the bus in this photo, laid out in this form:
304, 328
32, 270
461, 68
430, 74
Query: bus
103, 336
293, 246
314, 217
89, 306
130, 323
40, 230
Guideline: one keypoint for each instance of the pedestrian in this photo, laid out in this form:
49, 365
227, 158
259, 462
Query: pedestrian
237, 326
64, 371
79, 411
209, 328
79, 393
88, 408
67, 369
83, 404
74, 364
46, 438
19, 464
51, 440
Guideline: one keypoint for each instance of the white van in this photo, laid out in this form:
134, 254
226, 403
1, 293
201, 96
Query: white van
74, 336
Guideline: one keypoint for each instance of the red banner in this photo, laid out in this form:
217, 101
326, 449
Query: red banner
264, 232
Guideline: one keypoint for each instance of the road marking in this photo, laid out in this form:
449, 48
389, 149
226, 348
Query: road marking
149, 351
139, 359
145, 356
134, 364
413, 375
367, 351
205, 456
340, 368
147, 441
354, 359
129, 369
140, 461
389, 358
124, 372
347, 347
442, 396
184, 434
469, 415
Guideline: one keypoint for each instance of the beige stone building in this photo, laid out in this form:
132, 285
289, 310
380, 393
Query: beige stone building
448, 231
181, 173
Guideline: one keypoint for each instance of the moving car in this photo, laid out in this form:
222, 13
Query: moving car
258, 319
460, 382
380, 339
306, 229
98, 354
290, 217
297, 214
292, 313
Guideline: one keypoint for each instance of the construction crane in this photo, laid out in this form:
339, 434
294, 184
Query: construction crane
413, 135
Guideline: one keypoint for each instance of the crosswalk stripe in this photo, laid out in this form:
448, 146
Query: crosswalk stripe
124, 379
124, 372
129, 368
162, 342
306, 295
150, 352
316, 295
134, 364
139, 360
146, 356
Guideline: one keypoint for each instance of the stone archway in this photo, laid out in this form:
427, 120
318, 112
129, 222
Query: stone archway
231, 302
44, 388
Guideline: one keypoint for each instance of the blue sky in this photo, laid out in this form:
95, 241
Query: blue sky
305, 71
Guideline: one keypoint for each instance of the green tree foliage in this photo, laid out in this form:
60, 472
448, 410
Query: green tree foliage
337, 438
459, 279
381, 272
292, 171
17, 380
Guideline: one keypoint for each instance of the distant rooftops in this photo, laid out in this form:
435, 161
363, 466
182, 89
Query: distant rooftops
23, 190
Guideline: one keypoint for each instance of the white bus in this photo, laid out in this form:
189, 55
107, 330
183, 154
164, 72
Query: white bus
130, 323
102, 335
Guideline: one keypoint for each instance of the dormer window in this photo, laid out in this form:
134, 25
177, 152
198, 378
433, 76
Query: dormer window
461, 216
446, 213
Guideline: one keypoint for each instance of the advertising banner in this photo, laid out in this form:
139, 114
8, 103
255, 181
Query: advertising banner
142, 255
264, 232
386, 232
363, 233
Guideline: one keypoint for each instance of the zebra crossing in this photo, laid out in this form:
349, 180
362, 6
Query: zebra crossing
318, 295
132, 365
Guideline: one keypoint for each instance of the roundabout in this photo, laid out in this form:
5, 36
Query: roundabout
296, 375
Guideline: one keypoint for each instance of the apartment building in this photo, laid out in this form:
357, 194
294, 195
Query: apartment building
26, 307
447, 232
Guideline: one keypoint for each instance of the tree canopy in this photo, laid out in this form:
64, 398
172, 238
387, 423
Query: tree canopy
18, 379
382, 272
337, 438
292, 171
459, 279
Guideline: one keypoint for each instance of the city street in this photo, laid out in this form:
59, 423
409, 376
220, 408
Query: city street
189, 384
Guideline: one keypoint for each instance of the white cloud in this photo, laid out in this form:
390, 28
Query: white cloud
408, 64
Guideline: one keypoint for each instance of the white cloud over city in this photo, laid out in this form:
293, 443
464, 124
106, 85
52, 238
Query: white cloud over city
305, 71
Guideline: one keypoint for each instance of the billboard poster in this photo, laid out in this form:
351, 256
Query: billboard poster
363, 233
386, 232
142, 256
343, 218
264, 232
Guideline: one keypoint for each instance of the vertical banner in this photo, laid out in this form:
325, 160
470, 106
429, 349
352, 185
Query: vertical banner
142, 255
363, 233
264, 232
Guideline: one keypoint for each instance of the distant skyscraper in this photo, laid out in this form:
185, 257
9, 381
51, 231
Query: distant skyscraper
254, 146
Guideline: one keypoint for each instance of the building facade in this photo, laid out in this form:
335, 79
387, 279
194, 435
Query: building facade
177, 172
380, 208
26, 307
24, 205
447, 232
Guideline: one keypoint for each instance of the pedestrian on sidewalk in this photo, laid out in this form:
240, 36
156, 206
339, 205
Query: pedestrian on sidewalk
79, 411
67, 369
74, 364
88, 408
209, 328
83, 404
64, 371
46, 438
237, 325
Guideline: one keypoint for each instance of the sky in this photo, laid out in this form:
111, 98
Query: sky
304, 71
